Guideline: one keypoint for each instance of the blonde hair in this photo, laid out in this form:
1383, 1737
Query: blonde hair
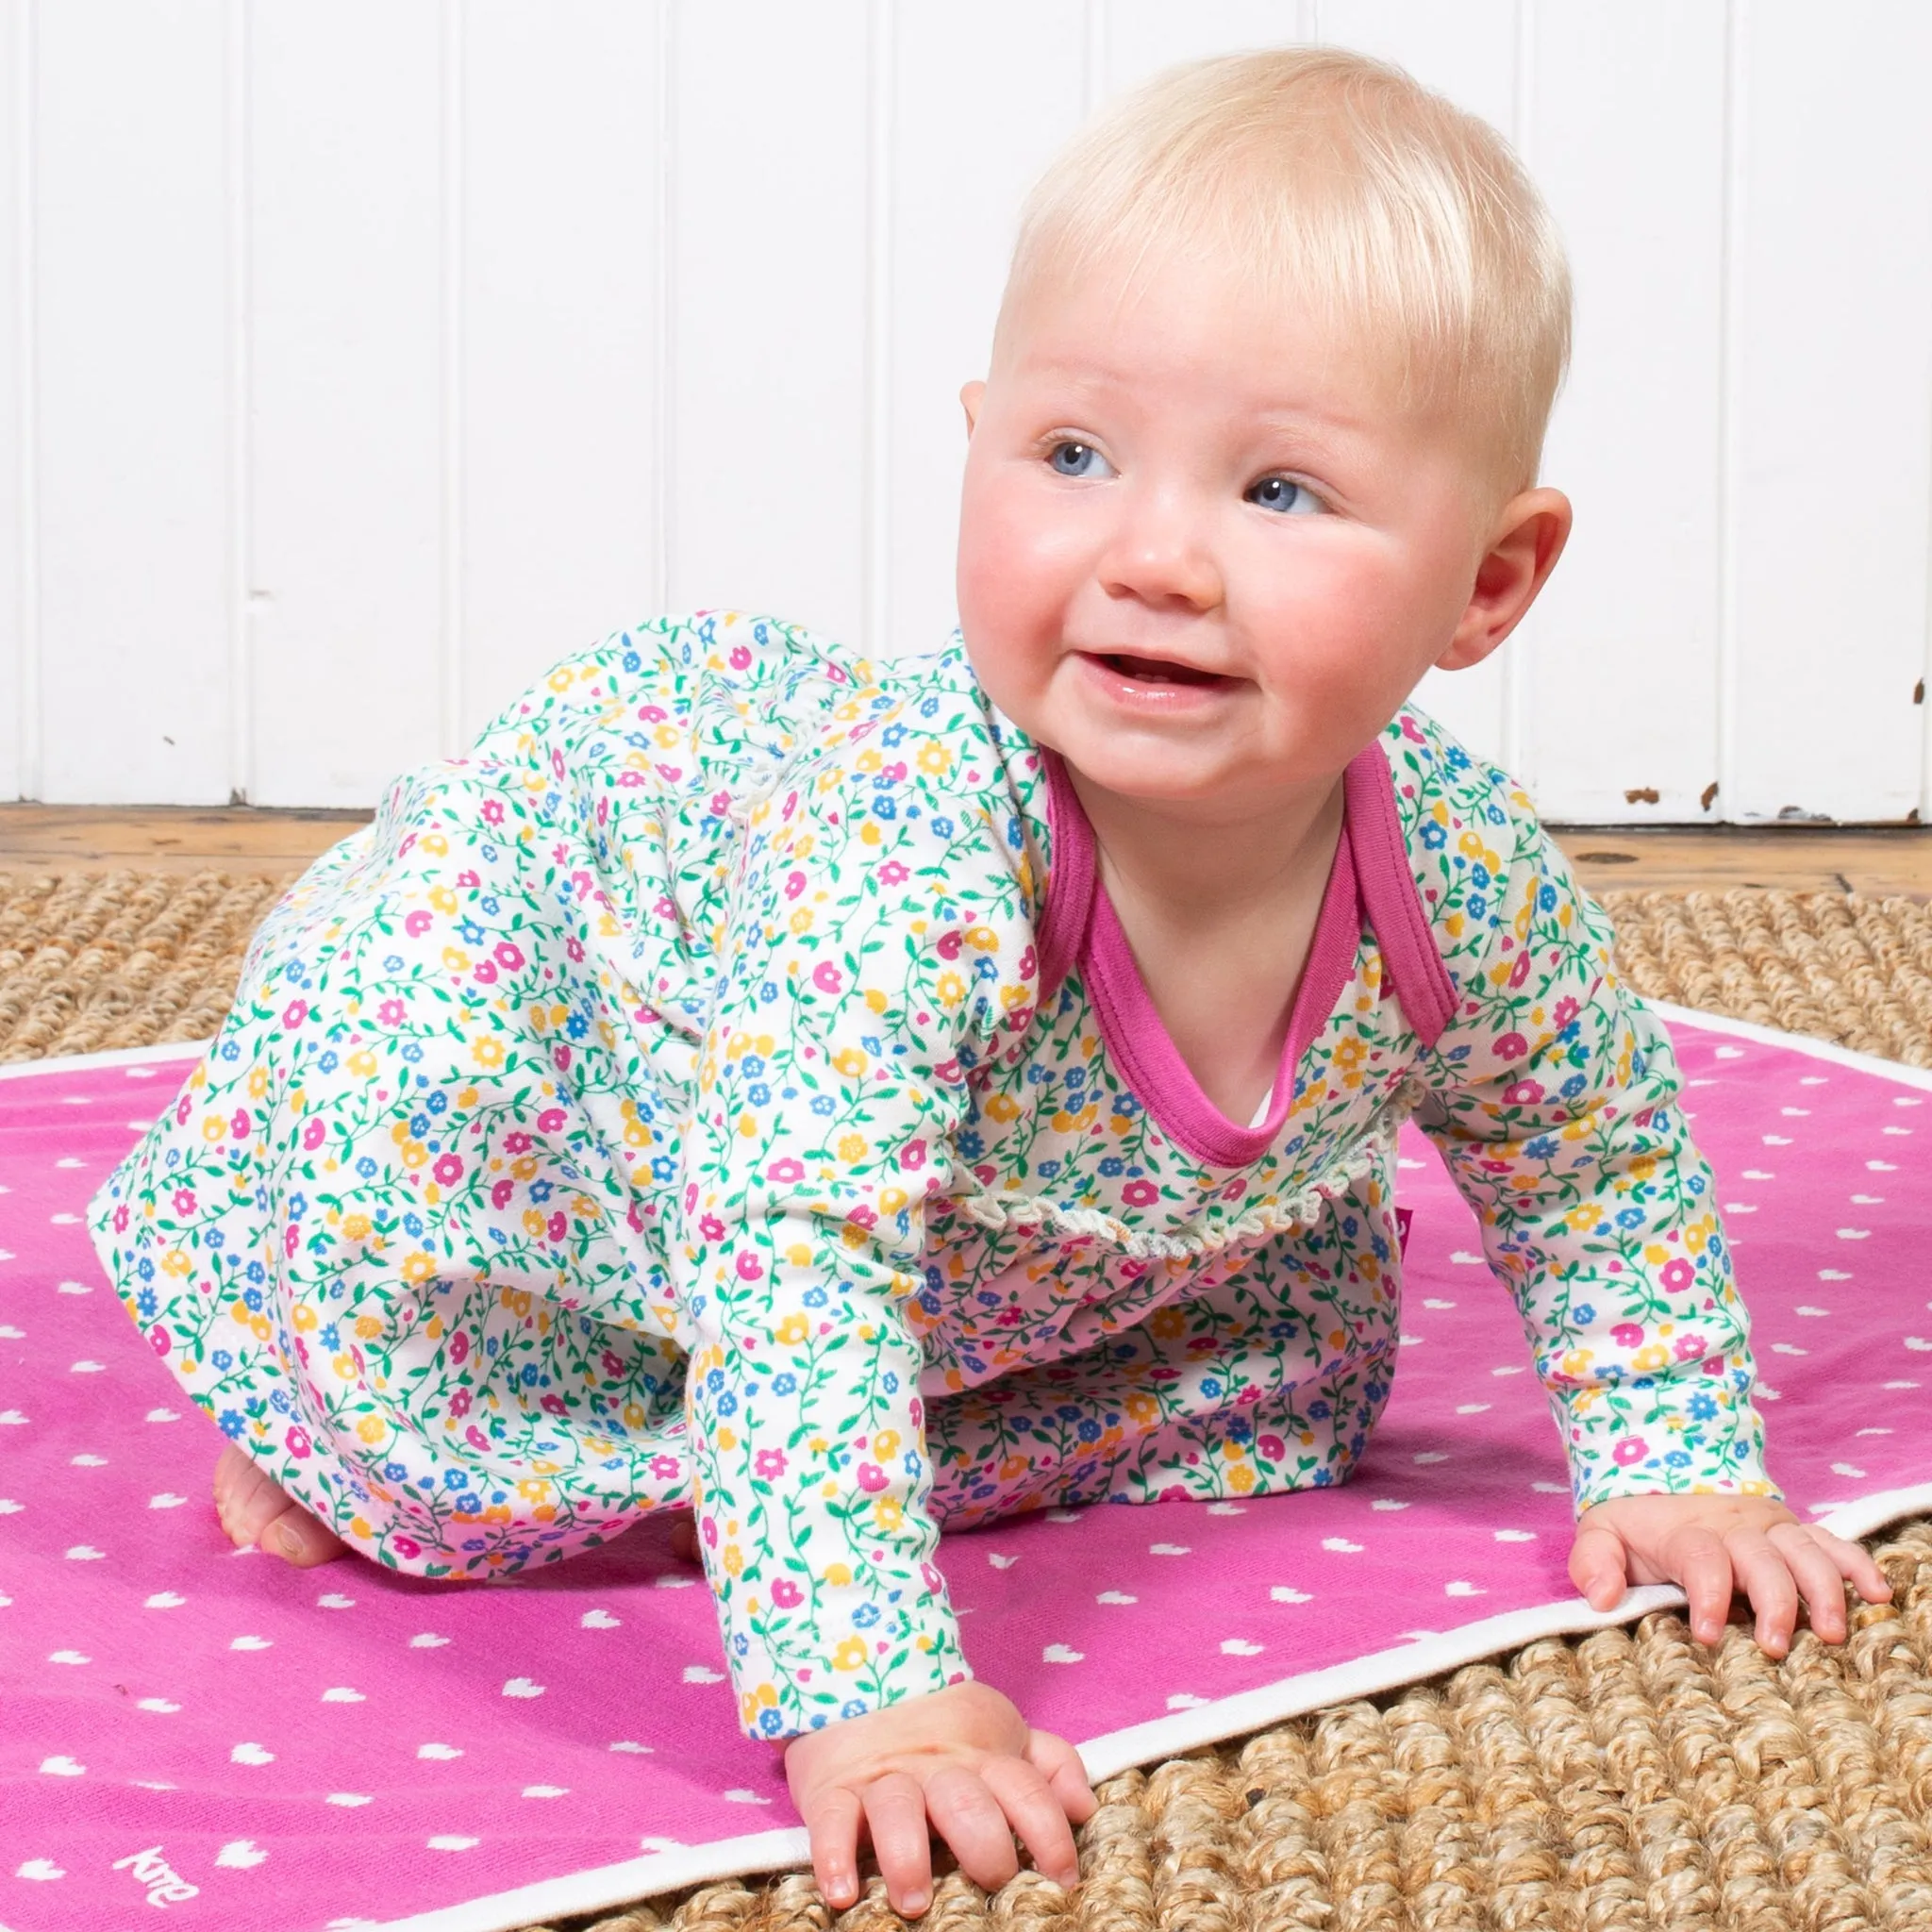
1335, 180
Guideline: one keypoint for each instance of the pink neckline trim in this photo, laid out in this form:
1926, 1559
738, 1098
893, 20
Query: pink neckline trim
1369, 880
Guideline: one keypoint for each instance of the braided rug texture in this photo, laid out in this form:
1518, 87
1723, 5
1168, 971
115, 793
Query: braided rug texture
1623, 1782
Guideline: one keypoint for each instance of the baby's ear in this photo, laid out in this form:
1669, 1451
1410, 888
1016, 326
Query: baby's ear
969, 401
1529, 536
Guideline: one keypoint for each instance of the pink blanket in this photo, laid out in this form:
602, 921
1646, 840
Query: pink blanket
237, 1742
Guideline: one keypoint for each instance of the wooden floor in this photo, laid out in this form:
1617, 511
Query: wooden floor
1798, 858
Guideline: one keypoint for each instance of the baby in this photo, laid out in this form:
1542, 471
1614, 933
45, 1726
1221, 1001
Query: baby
842, 1099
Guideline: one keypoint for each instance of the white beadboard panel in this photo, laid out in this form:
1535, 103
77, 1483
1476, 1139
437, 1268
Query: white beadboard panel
1829, 485
986, 124
1469, 53
130, 259
16, 779
769, 426
1139, 37
347, 415
1627, 625
558, 336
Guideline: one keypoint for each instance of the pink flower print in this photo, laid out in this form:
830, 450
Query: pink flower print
931, 1578
786, 1594
711, 1228
1412, 731
665, 1468
573, 949
493, 811
449, 1170
1632, 1449
556, 1405
516, 1143
871, 1478
158, 1339
476, 1440
184, 1201
827, 977
1687, 1348
508, 955
949, 943
550, 1120
741, 658
418, 922
559, 1226
469, 879
240, 1123
862, 1217
771, 1463
1139, 1193
559, 1056
121, 1219
795, 884
651, 714
405, 1546
720, 803
485, 973
1566, 1011
749, 1268
1511, 1046
893, 873
314, 1133
1272, 1447
460, 1347
1523, 1093
182, 1108
1678, 1275
296, 1440
500, 1193
294, 1013
1627, 1335
709, 1527
459, 1404
291, 1239
1519, 971
390, 1012
913, 1156
785, 1171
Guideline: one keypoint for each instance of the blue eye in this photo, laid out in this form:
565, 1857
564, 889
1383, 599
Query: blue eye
1283, 493
1077, 460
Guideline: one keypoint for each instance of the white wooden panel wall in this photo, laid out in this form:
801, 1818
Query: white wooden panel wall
362, 358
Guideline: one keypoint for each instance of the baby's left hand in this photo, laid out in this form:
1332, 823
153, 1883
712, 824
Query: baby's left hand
1713, 1545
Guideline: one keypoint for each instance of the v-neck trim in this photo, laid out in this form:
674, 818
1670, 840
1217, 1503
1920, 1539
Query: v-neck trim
1369, 877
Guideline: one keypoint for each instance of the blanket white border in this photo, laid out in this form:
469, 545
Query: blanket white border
678, 1866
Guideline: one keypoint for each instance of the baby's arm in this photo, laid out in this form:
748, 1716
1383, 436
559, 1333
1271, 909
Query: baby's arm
1713, 1546
1555, 1103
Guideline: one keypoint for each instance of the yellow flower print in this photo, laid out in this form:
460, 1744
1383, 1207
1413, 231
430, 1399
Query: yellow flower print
850, 1062
935, 757
838, 1574
1002, 1106
887, 1515
417, 1267
885, 1445
982, 939
790, 1331
362, 1064
455, 959
849, 1655
852, 1148
950, 990
487, 1051
368, 1327
371, 1429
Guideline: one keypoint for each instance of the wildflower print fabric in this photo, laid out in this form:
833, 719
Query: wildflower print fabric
728, 1087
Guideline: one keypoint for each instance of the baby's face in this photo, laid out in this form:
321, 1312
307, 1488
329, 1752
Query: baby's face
1201, 555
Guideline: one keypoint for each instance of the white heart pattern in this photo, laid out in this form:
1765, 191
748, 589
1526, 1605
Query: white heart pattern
522, 1687
335, 1601
342, 1695
159, 1704
437, 1751
1000, 1561
68, 1657
251, 1644
240, 1853
62, 1767
452, 1842
1516, 1536
251, 1753
1286, 1593
1342, 1546
429, 1639
702, 1674
1167, 1549
1115, 1596
350, 1798
1061, 1653
40, 1868
599, 1619
546, 1791
86, 1553
1241, 1646
1460, 1589
164, 1600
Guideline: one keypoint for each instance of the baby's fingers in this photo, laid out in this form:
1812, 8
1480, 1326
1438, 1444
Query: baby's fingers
972, 1818
1060, 1764
1702, 1566
896, 1812
1037, 1815
1765, 1576
1852, 1561
1817, 1576
833, 1828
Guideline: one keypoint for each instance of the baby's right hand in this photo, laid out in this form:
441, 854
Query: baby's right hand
962, 1756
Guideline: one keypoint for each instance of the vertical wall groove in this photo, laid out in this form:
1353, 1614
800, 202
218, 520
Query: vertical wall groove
28, 722
241, 657
664, 410
876, 526
450, 643
1093, 61
1517, 673
1730, 336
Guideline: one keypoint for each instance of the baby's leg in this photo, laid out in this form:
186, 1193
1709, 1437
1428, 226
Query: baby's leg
256, 1509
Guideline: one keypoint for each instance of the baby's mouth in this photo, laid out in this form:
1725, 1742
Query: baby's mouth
1158, 670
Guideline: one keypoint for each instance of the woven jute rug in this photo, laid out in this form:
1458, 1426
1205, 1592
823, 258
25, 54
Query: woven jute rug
1626, 1780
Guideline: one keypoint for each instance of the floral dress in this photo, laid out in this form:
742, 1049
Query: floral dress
729, 1086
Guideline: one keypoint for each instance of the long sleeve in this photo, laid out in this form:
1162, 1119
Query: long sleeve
880, 941
1553, 1099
